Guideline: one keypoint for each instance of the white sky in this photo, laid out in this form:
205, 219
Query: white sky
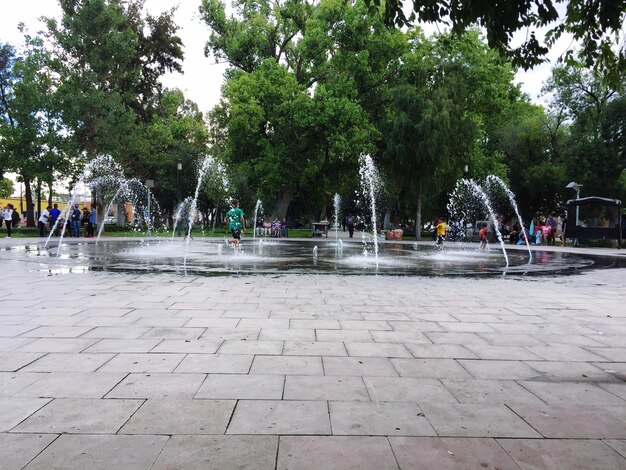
202, 78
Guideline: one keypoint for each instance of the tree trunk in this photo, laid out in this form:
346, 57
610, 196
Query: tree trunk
387, 219
282, 205
30, 216
38, 197
49, 183
418, 215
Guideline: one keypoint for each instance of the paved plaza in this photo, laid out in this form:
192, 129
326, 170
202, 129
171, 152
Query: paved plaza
157, 371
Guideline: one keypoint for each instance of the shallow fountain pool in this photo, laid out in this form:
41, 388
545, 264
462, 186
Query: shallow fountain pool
214, 257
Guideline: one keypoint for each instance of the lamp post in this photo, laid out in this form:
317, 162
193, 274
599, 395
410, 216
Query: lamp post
576, 187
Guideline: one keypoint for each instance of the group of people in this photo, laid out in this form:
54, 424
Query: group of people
275, 229
10, 217
50, 218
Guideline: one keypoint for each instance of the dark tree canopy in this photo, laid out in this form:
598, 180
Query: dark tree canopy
596, 24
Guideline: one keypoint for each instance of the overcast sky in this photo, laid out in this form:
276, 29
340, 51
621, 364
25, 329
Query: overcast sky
202, 78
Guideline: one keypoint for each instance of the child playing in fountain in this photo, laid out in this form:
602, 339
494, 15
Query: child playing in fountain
236, 222
440, 231
483, 236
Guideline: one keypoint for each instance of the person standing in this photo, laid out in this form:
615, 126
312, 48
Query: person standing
440, 231
43, 220
15, 217
55, 213
350, 224
75, 218
91, 223
7, 215
236, 222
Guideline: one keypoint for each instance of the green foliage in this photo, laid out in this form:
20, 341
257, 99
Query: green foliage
597, 25
6, 188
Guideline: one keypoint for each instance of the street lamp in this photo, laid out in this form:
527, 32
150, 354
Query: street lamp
576, 187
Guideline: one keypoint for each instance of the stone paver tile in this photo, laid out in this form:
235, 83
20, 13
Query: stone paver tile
218, 453
157, 386
104, 312
505, 353
565, 353
568, 339
377, 350
416, 325
476, 420
570, 372
174, 333
280, 417
57, 332
364, 325
199, 346
242, 387
575, 421
618, 389
318, 348
611, 354
360, 366
439, 351
287, 365
291, 334
10, 331
180, 416
12, 361
97, 452
58, 345
123, 346
256, 323
68, 362
251, 347
13, 344
408, 337
15, 410
618, 446
585, 393
444, 337
19, 449
348, 388
336, 452
83, 416
143, 363
232, 334
450, 453
556, 454
466, 327
325, 324
436, 368
489, 391
407, 389
13, 382
215, 364
162, 322
343, 335
617, 369
383, 419
116, 332
72, 385
501, 339
487, 369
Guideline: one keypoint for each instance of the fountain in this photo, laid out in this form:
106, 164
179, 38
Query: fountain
369, 183
258, 207
336, 204
497, 180
482, 196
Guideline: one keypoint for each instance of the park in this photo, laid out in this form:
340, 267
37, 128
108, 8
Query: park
375, 248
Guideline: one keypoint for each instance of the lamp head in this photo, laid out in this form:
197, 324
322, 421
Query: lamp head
574, 186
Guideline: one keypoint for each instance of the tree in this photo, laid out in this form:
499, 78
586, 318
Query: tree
596, 24
6, 188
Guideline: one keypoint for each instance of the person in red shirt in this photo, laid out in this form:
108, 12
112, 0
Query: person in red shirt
483, 236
